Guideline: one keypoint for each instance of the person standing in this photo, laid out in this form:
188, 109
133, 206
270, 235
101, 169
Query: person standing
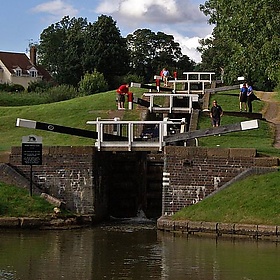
250, 97
122, 91
243, 98
216, 113
165, 73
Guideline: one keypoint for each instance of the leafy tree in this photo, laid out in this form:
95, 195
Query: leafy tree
246, 40
105, 49
60, 49
150, 52
72, 47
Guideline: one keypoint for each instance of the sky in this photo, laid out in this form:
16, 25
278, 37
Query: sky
22, 22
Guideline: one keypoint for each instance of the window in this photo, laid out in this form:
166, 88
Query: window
18, 72
33, 73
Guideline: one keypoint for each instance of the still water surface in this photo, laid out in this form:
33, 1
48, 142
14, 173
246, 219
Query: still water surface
133, 250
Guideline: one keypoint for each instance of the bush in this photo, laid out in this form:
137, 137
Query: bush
5, 87
11, 87
93, 83
116, 81
39, 86
17, 88
133, 78
60, 93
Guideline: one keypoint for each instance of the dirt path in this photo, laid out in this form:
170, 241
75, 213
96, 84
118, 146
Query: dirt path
271, 113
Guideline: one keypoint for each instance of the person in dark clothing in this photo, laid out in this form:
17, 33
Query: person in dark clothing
243, 97
250, 97
216, 113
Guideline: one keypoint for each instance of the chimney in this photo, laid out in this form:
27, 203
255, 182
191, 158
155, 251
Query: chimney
33, 55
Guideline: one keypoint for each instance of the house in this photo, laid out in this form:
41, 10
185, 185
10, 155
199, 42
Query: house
17, 68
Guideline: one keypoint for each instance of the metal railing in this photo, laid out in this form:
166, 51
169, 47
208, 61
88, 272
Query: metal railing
188, 106
137, 134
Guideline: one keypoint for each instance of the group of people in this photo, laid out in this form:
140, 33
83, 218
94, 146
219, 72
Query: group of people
246, 97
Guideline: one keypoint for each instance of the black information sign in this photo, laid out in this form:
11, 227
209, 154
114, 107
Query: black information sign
31, 154
32, 150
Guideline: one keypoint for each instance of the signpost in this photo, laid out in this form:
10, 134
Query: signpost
31, 153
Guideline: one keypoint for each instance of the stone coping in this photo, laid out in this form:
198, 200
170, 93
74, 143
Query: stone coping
52, 222
219, 229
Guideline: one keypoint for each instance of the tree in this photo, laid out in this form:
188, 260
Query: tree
61, 48
105, 48
245, 40
150, 52
72, 47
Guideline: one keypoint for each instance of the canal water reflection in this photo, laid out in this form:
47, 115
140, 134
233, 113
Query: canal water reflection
132, 250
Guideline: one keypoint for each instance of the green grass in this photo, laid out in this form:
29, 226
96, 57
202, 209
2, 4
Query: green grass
260, 139
254, 200
16, 202
74, 113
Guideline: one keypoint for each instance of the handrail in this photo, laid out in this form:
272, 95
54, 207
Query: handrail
171, 96
133, 139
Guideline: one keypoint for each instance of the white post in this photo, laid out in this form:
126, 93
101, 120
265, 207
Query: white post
151, 103
170, 103
116, 127
165, 130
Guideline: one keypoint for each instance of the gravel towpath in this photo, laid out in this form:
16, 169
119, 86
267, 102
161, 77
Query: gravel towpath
271, 113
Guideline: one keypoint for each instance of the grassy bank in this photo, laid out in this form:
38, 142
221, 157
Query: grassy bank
74, 113
254, 200
16, 202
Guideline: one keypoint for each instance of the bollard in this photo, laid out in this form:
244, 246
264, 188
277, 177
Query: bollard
130, 100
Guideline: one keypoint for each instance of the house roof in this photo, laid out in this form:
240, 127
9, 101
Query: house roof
15, 60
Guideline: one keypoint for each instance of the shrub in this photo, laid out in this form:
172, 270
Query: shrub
5, 87
93, 83
39, 86
17, 88
133, 78
60, 93
11, 87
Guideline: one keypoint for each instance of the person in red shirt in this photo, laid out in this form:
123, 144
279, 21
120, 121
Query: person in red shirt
122, 91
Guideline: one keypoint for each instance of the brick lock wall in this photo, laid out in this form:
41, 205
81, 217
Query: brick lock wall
192, 173
66, 173
82, 177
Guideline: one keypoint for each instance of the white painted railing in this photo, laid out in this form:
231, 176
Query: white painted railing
202, 78
132, 131
187, 108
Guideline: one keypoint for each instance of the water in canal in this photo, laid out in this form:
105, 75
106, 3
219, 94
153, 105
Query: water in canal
133, 249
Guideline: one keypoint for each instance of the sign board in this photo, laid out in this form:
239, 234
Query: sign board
31, 150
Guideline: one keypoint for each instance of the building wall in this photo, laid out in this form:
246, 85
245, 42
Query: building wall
5, 76
24, 80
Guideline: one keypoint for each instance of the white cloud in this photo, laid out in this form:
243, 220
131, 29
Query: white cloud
181, 18
147, 11
188, 44
56, 8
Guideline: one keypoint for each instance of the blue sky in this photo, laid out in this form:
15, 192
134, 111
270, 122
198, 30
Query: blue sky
22, 22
